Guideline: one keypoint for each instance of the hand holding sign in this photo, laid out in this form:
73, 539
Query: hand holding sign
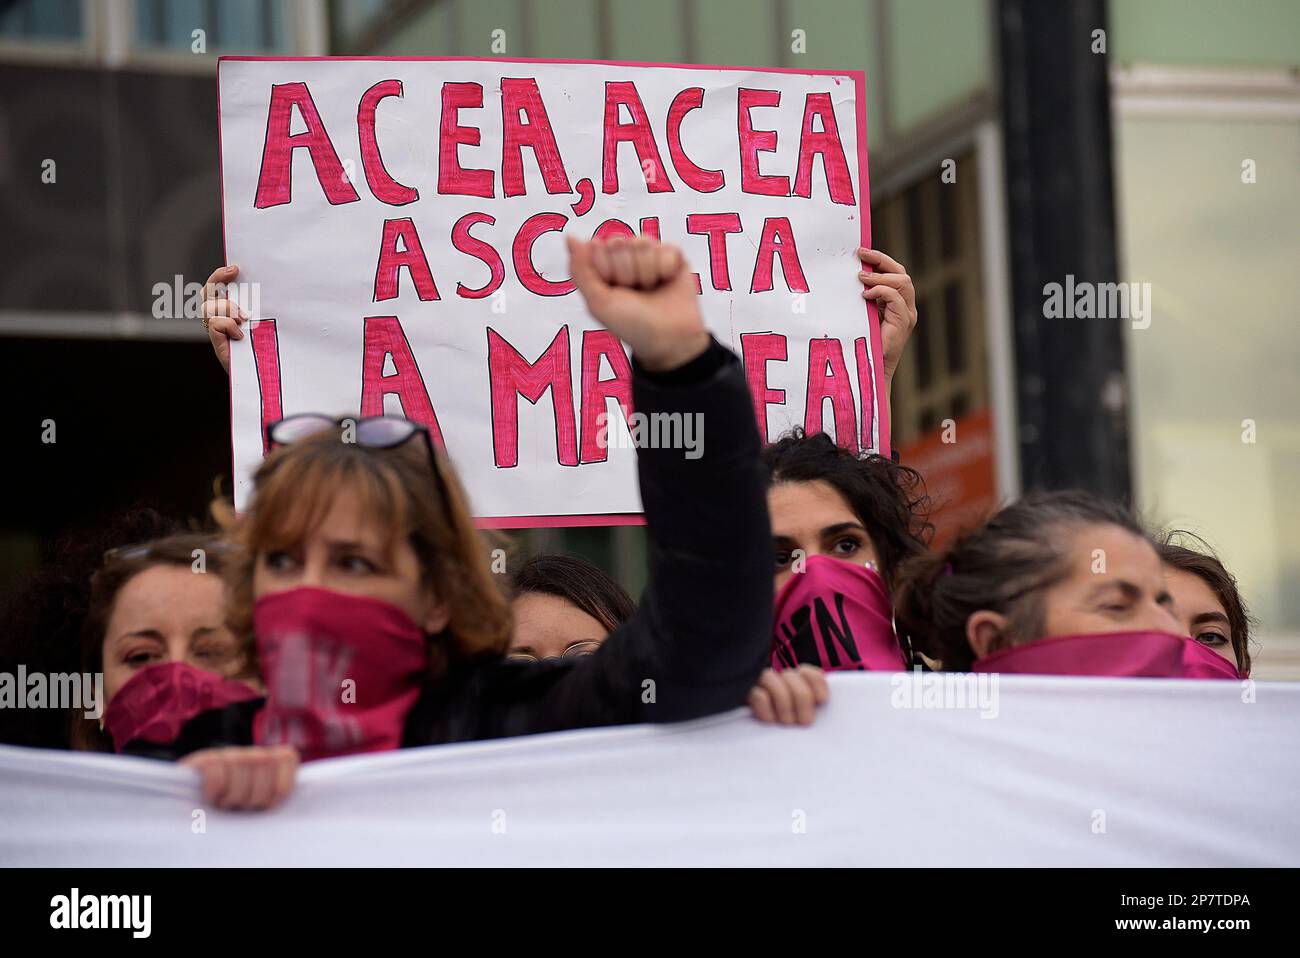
402, 224
642, 292
889, 286
222, 316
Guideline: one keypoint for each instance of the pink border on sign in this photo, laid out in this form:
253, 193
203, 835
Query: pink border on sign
549, 522
864, 215
225, 260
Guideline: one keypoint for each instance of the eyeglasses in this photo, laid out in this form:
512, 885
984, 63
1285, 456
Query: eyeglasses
373, 432
145, 550
577, 650
128, 553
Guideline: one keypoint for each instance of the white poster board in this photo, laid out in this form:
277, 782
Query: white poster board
897, 770
399, 224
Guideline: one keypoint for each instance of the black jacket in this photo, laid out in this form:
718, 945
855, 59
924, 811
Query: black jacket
699, 638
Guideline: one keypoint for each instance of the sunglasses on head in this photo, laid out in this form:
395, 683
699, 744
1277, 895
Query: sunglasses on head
145, 550
373, 432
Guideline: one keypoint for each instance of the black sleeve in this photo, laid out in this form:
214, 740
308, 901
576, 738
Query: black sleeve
215, 728
704, 627
701, 634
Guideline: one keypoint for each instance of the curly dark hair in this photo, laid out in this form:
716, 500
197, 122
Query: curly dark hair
888, 499
1204, 564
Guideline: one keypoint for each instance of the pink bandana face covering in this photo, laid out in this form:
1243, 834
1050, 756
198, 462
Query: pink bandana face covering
1202, 662
835, 615
341, 672
1134, 654
156, 702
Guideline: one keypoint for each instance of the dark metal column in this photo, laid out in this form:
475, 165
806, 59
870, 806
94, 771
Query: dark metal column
1070, 387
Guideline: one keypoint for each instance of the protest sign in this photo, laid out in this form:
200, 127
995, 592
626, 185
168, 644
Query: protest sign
399, 224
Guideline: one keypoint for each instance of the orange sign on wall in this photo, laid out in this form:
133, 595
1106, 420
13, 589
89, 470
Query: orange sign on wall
956, 462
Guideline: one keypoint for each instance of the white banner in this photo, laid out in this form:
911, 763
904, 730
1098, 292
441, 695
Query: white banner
399, 228
1031, 771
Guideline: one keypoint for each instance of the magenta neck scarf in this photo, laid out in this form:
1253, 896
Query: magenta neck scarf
341, 672
835, 615
1138, 654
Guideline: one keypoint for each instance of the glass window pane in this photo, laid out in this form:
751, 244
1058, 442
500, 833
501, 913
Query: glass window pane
954, 327
645, 31
739, 32
928, 420
41, 19
839, 36
231, 26
148, 19
240, 25
948, 216
431, 33
180, 19
917, 246
938, 56
349, 19
1220, 355
481, 19
566, 29
922, 338
1206, 32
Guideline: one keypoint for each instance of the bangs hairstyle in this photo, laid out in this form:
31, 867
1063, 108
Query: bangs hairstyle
888, 499
1205, 565
1004, 565
296, 485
